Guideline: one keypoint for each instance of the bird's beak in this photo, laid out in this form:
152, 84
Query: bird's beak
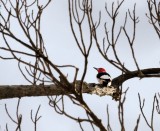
95, 68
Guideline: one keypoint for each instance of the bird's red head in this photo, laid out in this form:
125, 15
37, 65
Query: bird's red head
100, 70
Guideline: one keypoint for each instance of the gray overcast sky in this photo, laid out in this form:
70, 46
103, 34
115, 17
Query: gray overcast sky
62, 49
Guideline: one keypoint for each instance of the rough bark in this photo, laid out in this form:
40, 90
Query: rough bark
19, 91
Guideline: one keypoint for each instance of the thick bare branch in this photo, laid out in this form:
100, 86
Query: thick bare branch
40, 90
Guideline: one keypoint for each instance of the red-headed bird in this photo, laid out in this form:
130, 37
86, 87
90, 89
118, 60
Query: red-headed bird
103, 77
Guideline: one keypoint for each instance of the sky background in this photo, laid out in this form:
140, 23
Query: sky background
62, 49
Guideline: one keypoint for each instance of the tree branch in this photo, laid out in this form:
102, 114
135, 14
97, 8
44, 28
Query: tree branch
150, 72
13, 91
19, 91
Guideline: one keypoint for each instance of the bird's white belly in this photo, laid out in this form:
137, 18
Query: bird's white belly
100, 81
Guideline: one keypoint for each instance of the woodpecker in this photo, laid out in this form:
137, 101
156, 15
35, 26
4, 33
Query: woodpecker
103, 77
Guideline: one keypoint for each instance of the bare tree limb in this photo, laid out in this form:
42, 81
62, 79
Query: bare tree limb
38, 90
141, 105
36, 118
108, 119
18, 120
137, 124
